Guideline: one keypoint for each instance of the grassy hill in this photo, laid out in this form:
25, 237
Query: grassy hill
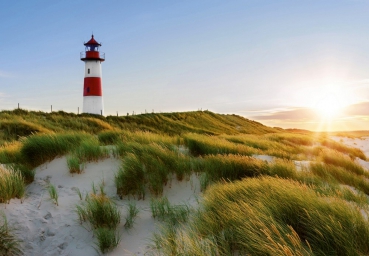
311, 198
18, 123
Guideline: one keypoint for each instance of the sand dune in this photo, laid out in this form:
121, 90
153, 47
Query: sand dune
47, 229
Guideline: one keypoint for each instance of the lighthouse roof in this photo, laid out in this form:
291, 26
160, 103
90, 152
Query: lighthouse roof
92, 41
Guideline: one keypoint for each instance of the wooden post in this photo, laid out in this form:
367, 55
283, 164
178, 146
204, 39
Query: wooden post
51, 108
101, 112
117, 113
18, 105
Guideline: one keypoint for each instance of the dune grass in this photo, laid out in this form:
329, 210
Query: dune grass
9, 245
338, 159
212, 145
39, 149
173, 215
352, 152
53, 193
108, 137
332, 173
11, 185
131, 216
269, 216
104, 216
100, 212
89, 150
74, 164
107, 239
150, 166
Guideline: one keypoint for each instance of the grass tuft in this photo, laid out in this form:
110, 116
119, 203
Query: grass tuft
11, 185
107, 239
9, 245
53, 193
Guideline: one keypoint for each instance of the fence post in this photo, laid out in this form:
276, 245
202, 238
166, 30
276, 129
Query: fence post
101, 111
18, 105
51, 108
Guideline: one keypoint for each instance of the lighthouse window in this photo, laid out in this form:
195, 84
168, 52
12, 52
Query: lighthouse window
88, 89
88, 71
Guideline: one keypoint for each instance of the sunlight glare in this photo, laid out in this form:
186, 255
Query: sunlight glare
328, 106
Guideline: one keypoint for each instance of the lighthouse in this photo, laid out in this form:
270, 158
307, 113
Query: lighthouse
92, 86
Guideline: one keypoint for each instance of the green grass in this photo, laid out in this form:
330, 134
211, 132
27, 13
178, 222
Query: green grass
206, 145
338, 159
39, 149
11, 185
352, 152
332, 173
89, 150
104, 216
131, 216
108, 137
9, 245
269, 216
53, 193
149, 166
74, 164
173, 215
100, 212
107, 239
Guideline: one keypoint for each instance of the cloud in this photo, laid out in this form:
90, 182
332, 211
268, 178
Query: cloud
359, 109
293, 114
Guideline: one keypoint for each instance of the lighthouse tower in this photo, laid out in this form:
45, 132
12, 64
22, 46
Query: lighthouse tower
92, 88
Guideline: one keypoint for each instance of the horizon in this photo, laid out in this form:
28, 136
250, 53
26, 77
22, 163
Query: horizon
284, 64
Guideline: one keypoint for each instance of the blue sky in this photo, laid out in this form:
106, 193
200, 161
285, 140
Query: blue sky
277, 62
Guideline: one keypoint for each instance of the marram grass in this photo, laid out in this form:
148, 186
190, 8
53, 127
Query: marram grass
9, 245
268, 216
11, 185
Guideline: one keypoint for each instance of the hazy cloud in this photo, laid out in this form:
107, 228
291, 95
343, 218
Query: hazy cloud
359, 109
295, 114
308, 114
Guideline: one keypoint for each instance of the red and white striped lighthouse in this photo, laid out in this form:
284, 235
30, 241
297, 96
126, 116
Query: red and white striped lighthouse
92, 88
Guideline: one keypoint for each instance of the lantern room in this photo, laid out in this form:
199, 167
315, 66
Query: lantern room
92, 51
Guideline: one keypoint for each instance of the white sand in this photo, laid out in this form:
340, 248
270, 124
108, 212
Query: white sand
47, 229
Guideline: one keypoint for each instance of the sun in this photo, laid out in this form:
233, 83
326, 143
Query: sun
329, 106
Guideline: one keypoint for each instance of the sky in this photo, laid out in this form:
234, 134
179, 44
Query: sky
290, 64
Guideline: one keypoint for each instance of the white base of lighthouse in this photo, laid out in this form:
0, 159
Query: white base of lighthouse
93, 105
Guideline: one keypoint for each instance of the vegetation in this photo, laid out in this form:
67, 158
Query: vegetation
9, 244
250, 206
11, 185
269, 216
104, 217
131, 216
53, 193
107, 239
